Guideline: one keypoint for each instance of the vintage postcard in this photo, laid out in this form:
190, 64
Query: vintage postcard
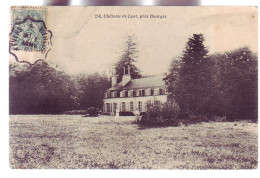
133, 87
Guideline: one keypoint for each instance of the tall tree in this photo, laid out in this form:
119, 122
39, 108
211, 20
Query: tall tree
192, 83
128, 59
238, 78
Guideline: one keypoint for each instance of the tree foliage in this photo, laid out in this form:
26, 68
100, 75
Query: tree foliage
91, 89
128, 59
40, 89
220, 84
238, 76
189, 78
46, 89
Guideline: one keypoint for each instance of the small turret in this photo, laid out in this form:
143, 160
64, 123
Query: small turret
126, 77
114, 77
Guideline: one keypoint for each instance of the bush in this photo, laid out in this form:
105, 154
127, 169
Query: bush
105, 114
92, 111
170, 111
159, 113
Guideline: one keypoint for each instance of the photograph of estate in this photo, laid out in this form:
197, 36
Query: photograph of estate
133, 88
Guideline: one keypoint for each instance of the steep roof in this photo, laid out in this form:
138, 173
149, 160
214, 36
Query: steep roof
148, 82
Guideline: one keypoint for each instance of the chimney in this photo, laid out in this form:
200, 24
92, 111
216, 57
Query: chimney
126, 77
114, 77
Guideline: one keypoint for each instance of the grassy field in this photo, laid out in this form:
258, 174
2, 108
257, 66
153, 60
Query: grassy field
64, 141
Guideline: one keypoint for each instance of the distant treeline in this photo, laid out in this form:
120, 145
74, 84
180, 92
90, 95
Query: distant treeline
46, 89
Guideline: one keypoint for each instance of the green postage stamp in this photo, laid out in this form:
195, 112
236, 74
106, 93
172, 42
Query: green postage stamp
30, 40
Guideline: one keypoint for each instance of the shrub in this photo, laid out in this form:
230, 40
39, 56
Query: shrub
159, 113
105, 114
92, 111
170, 111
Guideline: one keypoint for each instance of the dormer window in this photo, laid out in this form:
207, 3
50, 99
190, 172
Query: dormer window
160, 91
143, 92
152, 92
126, 93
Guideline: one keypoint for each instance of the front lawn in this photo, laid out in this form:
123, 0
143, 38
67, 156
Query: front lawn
67, 141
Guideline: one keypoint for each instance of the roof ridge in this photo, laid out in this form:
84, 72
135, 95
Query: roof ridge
141, 83
153, 76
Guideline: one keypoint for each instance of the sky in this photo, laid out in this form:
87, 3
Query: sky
85, 44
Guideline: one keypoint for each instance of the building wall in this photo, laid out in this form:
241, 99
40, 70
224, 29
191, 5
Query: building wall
109, 103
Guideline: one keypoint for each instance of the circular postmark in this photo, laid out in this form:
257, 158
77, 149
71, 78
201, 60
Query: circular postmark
30, 40
38, 153
29, 35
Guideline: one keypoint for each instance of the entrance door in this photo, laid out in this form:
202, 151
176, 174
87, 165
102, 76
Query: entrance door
114, 108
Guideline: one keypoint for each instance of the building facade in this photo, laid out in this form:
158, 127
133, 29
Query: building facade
132, 95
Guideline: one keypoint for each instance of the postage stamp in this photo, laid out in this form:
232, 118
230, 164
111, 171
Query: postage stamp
30, 40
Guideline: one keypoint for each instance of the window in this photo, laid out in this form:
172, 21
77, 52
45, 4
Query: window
126, 93
140, 92
134, 94
152, 92
140, 106
123, 106
143, 93
131, 106
160, 91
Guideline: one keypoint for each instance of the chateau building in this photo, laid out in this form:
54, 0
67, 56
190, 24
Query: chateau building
131, 95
